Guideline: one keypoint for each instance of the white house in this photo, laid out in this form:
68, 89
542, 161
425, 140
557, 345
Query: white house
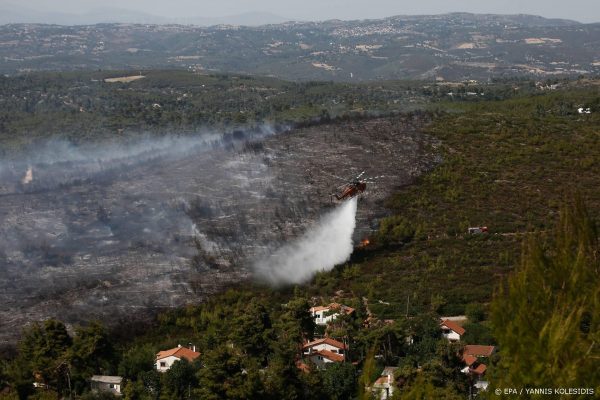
327, 344
324, 351
166, 358
384, 387
111, 384
451, 330
325, 314
322, 358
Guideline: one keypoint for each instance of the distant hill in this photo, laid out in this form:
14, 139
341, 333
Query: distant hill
14, 14
454, 46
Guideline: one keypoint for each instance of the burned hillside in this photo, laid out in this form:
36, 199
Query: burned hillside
174, 221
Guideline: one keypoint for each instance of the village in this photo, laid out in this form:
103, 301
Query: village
324, 351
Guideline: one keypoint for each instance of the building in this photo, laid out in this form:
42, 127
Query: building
110, 384
321, 358
384, 386
166, 358
327, 344
451, 330
324, 351
473, 356
325, 314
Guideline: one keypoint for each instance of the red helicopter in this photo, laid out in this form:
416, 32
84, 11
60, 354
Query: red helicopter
353, 187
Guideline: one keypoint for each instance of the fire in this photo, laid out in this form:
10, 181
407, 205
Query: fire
365, 242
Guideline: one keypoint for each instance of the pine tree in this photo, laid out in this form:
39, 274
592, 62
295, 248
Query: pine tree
547, 318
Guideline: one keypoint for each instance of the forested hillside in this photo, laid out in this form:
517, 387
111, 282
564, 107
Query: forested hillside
523, 163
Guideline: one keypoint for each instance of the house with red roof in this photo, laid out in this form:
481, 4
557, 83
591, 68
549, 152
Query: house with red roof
166, 358
474, 357
324, 351
451, 330
325, 314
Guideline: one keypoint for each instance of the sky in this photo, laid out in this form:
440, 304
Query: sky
580, 10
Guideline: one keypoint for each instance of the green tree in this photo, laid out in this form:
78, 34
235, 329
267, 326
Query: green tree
224, 376
475, 312
43, 352
180, 379
546, 319
151, 382
91, 353
135, 360
252, 330
339, 381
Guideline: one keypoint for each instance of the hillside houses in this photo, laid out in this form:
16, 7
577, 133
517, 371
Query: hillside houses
165, 359
473, 356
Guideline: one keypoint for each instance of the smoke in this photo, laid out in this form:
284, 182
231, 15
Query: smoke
58, 162
322, 247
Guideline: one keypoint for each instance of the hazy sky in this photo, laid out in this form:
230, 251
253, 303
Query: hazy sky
582, 10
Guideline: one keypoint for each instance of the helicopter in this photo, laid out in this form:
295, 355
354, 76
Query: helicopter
353, 187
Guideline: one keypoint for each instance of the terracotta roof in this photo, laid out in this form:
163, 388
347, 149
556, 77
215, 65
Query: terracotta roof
478, 350
469, 359
318, 308
329, 341
329, 355
480, 370
179, 352
454, 326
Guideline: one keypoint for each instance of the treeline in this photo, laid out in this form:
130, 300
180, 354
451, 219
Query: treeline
81, 106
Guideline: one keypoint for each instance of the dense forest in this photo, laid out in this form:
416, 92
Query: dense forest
517, 158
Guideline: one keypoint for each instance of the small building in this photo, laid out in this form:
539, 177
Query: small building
325, 314
165, 359
582, 110
110, 384
451, 330
384, 386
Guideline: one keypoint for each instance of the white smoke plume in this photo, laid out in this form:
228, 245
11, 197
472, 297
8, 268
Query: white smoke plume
322, 247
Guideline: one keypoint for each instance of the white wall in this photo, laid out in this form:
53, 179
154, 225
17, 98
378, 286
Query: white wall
321, 319
320, 361
168, 363
451, 336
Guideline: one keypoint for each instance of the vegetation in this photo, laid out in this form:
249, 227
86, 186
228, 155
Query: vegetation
546, 318
507, 164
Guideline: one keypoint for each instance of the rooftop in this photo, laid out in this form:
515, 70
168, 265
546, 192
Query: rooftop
179, 352
329, 341
453, 326
107, 379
